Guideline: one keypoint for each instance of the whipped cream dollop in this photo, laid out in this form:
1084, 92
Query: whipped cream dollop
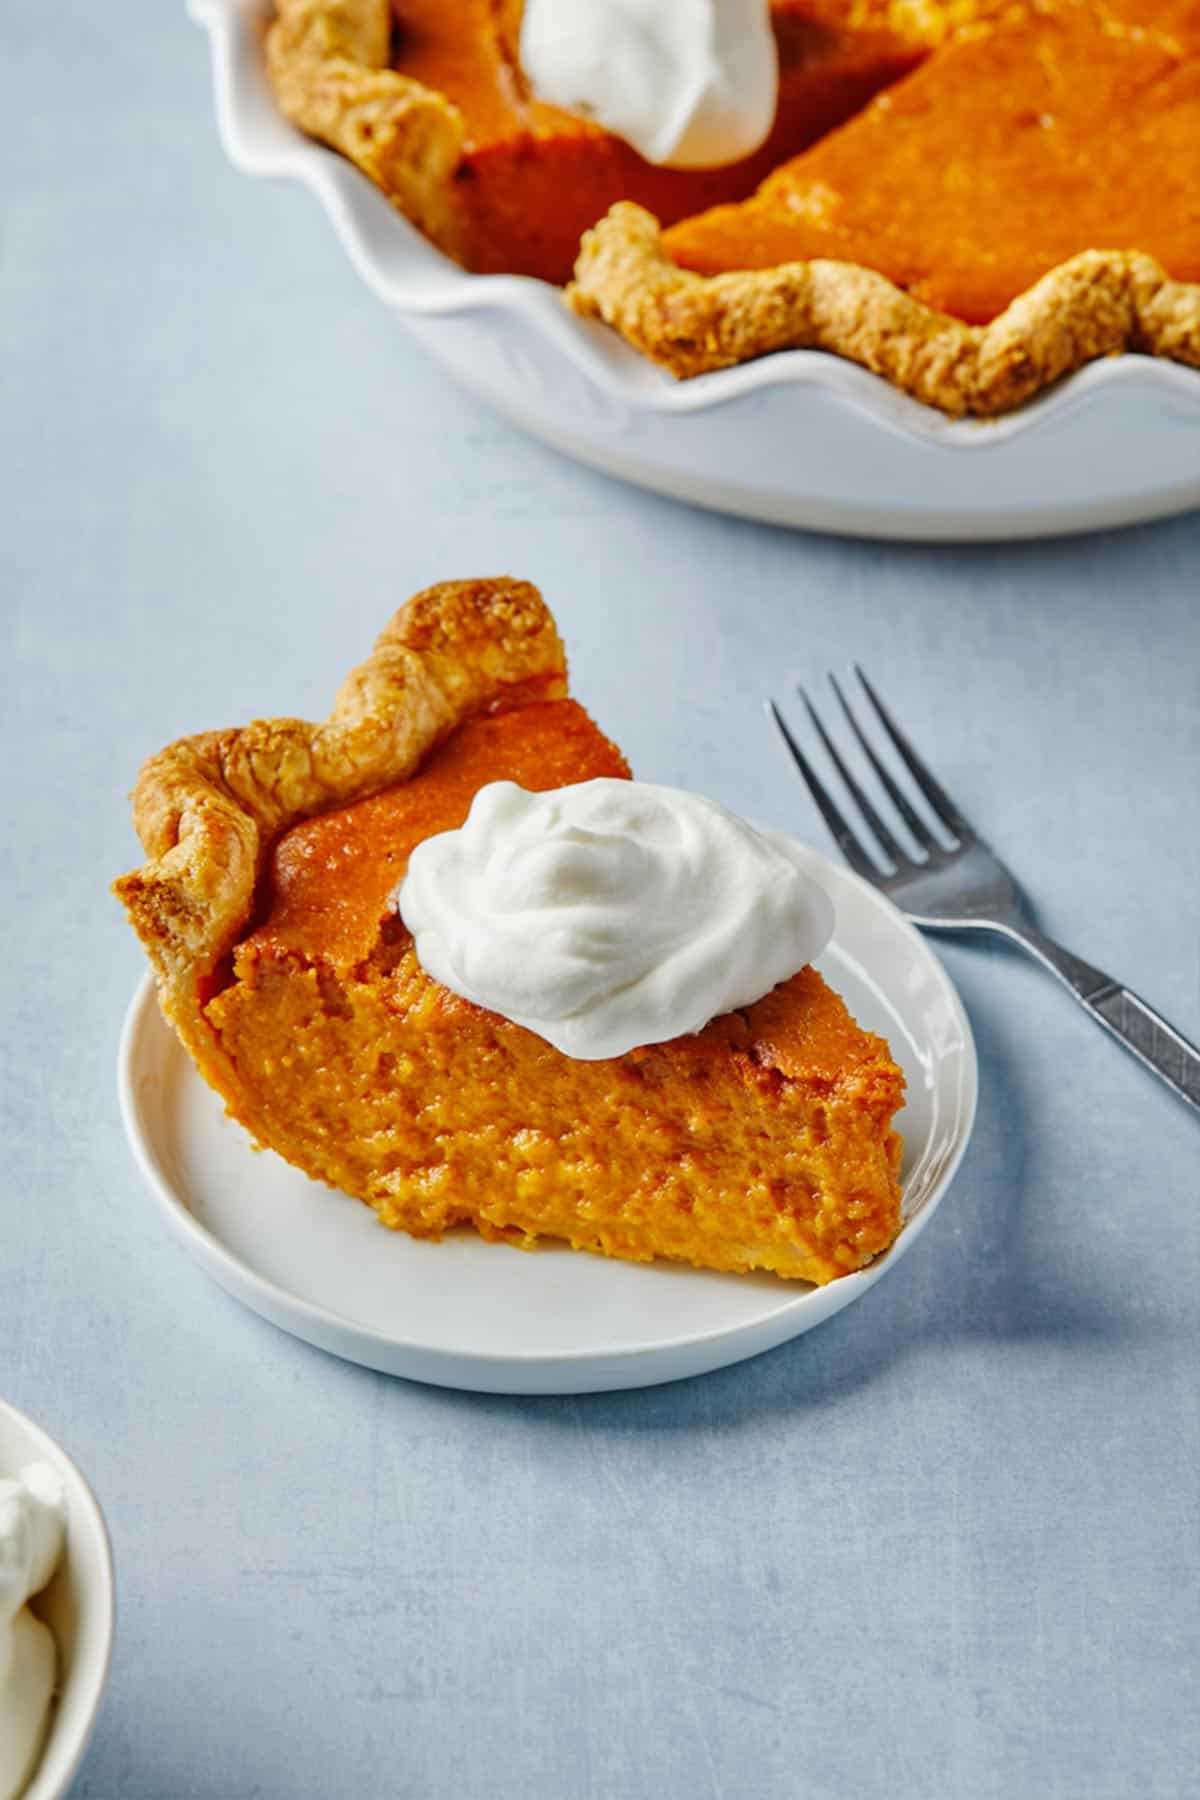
689, 83
32, 1520
611, 913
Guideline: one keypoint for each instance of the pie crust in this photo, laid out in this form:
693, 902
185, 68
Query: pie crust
209, 808
327, 61
1098, 303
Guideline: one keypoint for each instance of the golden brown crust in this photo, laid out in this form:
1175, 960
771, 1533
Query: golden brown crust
327, 61
208, 808
1098, 303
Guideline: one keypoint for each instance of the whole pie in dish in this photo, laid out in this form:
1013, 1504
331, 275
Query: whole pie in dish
267, 908
970, 199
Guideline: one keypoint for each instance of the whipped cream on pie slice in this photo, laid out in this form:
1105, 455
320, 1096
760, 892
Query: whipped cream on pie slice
691, 84
610, 914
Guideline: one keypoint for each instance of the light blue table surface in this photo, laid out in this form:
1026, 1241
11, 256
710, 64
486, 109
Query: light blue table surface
946, 1545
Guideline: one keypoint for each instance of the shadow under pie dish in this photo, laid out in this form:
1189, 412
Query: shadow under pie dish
763, 1141
1046, 145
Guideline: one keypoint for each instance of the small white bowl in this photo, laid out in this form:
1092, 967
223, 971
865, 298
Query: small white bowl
78, 1606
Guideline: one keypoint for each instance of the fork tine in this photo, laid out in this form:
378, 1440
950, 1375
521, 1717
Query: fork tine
874, 823
845, 838
913, 820
928, 783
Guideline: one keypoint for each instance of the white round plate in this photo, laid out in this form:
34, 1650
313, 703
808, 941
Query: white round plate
78, 1605
801, 438
465, 1313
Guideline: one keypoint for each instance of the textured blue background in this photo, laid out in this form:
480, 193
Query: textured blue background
946, 1545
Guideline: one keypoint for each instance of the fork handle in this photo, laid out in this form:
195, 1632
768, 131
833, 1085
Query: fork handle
1122, 1013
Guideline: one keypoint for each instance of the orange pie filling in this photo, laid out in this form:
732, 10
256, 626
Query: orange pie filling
1073, 128
764, 1141
533, 178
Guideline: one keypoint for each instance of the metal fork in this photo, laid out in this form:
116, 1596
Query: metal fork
961, 885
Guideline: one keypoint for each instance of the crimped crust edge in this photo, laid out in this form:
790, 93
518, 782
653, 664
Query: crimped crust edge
1098, 303
209, 808
328, 64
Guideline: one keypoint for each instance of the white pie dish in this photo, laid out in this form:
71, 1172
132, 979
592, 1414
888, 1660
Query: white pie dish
78, 1605
802, 438
465, 1313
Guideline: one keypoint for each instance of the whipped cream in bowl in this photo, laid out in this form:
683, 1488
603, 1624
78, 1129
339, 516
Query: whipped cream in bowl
610, 914
691, 84
32, 1529
56, 1611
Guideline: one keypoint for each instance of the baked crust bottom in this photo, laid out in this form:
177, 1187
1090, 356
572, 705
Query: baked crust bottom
1099, 303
